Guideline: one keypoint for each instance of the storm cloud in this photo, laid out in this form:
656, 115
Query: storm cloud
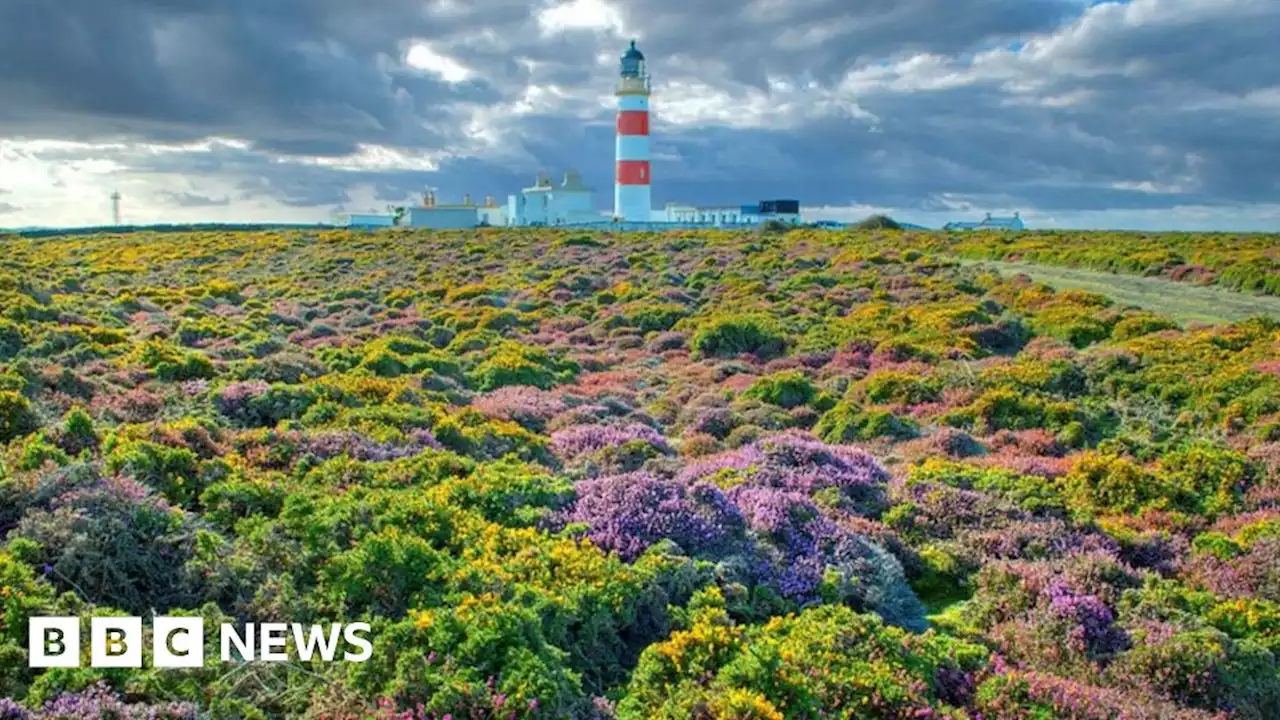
241, 108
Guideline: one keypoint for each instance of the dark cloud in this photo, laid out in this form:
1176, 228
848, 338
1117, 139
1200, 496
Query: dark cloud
822, 39
1039, 104
280, 73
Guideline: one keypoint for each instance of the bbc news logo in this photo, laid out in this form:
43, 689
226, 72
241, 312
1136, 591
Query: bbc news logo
178, 642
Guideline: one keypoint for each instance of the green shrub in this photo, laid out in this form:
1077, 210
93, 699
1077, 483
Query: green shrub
1211, 479
513, 363
1204, 669
1030, 492
229, 501
17, 418
735, 335
655, 317
799, 666
891, 386
1005, 409
172, 472
1216, 544
11, 342
37, 451
173, 364
78, 431
786, 389
1141, 324
1115, 484
847, 422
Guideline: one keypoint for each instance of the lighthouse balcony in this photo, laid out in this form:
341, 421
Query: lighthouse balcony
634, 85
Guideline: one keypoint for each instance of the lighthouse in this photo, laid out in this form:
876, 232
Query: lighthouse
631, 199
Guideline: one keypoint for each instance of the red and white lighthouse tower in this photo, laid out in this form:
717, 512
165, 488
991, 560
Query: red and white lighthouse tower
631, 199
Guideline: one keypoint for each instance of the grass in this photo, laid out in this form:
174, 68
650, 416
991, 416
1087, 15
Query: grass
1181, 301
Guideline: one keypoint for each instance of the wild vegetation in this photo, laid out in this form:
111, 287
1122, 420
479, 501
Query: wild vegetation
1248, 262
693, 475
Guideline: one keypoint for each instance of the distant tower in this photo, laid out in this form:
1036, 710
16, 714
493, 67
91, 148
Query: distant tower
631, 197
115, 208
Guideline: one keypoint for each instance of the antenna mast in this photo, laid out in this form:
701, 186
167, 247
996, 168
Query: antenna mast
115, 208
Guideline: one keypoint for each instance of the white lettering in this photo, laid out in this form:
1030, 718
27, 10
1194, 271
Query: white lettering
307, 645
244, 645
353, 638
272, 641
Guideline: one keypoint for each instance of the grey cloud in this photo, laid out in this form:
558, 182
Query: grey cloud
282, 72
8, 209
822, 39
190, 200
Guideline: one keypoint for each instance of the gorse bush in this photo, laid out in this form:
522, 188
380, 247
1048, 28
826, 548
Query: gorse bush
787, 389
735, 335
17, 418
797, 667
112, 540
704, 474
515, 364
848, 423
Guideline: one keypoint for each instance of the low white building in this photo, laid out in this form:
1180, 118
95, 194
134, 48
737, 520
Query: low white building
678, 213
363, 220
989, 223
441, 217
787, 211
432, 214
492, 215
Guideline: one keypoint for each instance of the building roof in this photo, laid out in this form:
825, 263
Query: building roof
988, 223
572, 182
632, 63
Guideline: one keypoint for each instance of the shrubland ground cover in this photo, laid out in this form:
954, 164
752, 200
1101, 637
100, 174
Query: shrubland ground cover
1249, 263
1183, 301
708, 475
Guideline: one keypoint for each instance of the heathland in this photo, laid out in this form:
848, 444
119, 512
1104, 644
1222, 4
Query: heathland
715, 474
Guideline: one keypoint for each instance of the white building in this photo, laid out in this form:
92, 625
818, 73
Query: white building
492, 215
441, 217
787, 211
363, 220
548, 204
989, 223
431, 214
678, 213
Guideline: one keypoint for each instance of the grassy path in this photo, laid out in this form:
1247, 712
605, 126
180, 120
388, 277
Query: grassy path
1182, 301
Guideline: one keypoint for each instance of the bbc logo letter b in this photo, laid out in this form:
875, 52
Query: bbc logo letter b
53, 642
116, 642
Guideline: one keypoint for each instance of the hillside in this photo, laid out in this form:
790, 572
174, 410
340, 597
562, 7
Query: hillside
702, 474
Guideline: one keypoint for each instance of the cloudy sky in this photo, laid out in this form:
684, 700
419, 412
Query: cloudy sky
1146, 114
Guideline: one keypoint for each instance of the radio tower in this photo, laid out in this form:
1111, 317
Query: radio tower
631, 201
115, 208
